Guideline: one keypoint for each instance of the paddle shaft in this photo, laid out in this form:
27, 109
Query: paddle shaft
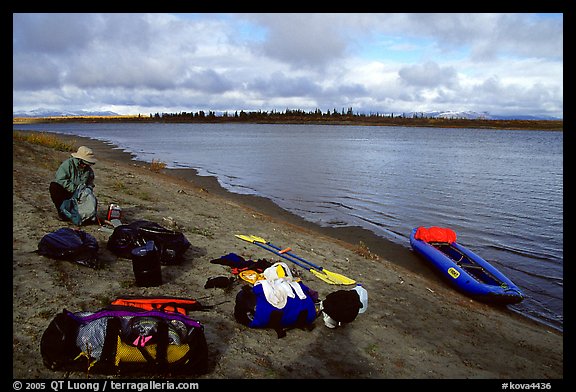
296, 257
273, 250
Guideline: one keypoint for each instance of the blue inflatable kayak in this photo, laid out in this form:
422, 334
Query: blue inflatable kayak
463, 269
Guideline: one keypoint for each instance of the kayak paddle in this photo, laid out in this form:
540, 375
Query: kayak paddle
319, 274
322, 273
341, 279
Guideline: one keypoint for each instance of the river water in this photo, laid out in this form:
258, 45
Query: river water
500, 190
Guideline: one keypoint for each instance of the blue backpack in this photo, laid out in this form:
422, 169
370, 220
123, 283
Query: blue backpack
72, 245
253, 310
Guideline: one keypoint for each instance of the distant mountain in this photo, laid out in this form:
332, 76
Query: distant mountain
470, 115
57, 113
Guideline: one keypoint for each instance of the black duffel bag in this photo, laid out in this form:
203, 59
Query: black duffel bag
171, 244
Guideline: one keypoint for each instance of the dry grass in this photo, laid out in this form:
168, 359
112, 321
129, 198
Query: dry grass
157, 165
362, 250
308, 118
43, 139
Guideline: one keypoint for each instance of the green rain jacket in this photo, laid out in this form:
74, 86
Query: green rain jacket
70, 175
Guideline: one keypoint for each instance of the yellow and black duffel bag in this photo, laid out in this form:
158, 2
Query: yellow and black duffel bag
125, 341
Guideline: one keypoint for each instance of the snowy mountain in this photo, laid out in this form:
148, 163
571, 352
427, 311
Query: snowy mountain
57, 113
470, 115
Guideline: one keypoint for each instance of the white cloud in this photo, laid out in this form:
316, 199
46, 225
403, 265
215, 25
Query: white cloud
372, 62
428, 75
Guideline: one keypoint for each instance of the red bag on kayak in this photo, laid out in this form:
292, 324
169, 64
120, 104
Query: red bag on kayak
435, 234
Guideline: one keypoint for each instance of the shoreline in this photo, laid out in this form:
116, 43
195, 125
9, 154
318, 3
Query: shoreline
349, 236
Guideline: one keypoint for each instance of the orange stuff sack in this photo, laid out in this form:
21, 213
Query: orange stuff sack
435, 234
161, 303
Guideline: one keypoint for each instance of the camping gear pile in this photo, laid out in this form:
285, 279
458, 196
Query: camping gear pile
156, 333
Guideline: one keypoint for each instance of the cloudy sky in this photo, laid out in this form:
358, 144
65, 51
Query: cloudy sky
375, 63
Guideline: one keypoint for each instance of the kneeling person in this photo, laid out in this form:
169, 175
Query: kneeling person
72, 173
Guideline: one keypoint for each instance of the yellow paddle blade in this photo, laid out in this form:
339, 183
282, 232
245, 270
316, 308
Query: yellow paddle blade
258, 239
340, 279
244, 237
323, 276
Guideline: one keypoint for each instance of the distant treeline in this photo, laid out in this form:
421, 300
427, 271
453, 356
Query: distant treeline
312, 117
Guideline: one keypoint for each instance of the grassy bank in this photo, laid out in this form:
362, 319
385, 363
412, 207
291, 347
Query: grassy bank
554, 125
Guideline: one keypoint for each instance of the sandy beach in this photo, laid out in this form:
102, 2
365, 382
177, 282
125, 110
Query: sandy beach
416, 327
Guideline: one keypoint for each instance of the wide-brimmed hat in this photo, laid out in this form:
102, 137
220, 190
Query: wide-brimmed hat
85, 154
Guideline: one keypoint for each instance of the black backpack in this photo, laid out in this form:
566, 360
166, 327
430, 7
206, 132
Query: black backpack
170, 244
70, 244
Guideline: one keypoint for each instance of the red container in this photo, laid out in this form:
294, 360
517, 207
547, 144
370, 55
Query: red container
114, 212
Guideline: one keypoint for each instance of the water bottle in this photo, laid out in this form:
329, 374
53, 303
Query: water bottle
363, 294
